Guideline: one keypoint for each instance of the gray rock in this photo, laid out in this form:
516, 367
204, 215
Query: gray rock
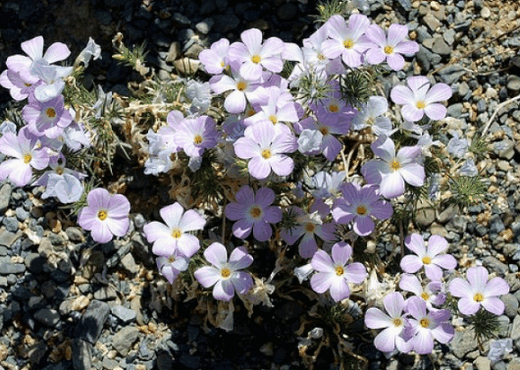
164, 361
495, 224
37, 353
226, 22
455, 110
287, 12
515, 330
22, 214
11, 224
129, 265
75, 234
495, 265
513, 83
447, 214
449, 36
205, 26
5, 195
81, 354
7, 268
124, 314
511, 305
91, 323
482, 363
440, 47
432, 22
504, 149
405, 4
7, 238
463, 89
47, 317
109, 364
122, 341
191, 362
34, 262
180, 20
463, 342
106, 293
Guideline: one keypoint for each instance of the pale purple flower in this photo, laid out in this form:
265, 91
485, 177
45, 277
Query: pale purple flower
389, 47
392, 171
457, 147
431, 293
105, 215
309, 226
18, 87
51, 77
196, 135
266, 150
215, 58
371, 115
477, 291
253, 212
170, 267
48, 118
173, 235
26, 155
253, 55
418, 99
359, 205
432, 258
423, 327
349, 41
225, 275
334, 273
330, 146
334, 111
393, 322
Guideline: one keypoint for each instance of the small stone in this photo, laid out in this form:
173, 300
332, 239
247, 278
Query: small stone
287, 12
47, 317
432, 22
440, 47
491, 93
5, 195
186, 66
494, 265
513, 83
75, 234
226, 22
463, 342
449, 36
109, 364
482, 363
205, 26
11, 224
511, 305
7, 268
447, 214
80, 303
7, 238
92, 321
129, 265
180, 20
34, 262
405, 4
124, 314
22, 214
122, 341
164, 361
173, 52
485, 12
105, 293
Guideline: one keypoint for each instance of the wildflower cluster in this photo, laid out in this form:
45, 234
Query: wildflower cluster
288, 159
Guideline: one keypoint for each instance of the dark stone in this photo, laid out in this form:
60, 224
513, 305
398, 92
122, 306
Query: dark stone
47, 317
91, 324
287, 12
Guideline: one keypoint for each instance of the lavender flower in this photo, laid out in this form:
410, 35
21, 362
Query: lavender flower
195, 135
253, 212
48, 118
215, 58
105, 215
389, 47
431, 293
479, 292
225, 275
170, 267
371, 115
334, 274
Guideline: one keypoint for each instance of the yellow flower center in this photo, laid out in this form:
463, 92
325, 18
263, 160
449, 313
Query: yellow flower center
426, 260
321, 56
266, 153
395, 165
50, 112
225, 272
241, 86
398, 322
424, 323
388, 49
255, 212
361, 210
273, 119
256, 59
197, 139
478, 297
324, 130
222, 64
27, 158
421, 104
176, 234
425, 296
310, 227
333, 108
102, 215
340, 270
348, 44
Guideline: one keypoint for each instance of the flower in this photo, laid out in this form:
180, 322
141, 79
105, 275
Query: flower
431, 293
391, 171
225, 275
27, 155
174, 235
195, 135
214, 59
423, 327
499, 347
418, 99
18, 87
371, 115
106, 215
479, 292
48, 118
266, 149
334, 274
389, 48
431, 257
358, 204
92, 50
173, 265
393, 322
253, 212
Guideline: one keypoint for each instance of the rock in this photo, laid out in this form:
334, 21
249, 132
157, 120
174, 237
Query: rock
186, 66
463, 342
226, 22
122, 341
91, 323
47, 317
482, 363
124, 314
504, 149
205, 26
511, 305
515, 329
485, 12
432, 22
449, 36
105, 293
174, 52
495, 265
75, 234
425, 214
447, 214
440, 47
5, 195
81, 354
7, 268
129, 265
287, 12
11, 224
180, 20
164, 361
513, 83
405, 4
7, 238
34, 262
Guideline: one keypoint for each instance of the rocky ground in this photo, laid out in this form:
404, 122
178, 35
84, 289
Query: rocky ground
65, 305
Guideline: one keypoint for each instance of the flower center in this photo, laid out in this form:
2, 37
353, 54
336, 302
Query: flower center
59, 170
27, 158
478, 297
395, 165
273, 119
197, 139
426, 260
397, 322
266, 153
241, 86
340, 270
424, 323
421, 104
425, 296
50, 112
388, 49
102, 215
256, 59
171, 259
255, 212
324, 130
176, 233
222, 64
310, 227
225, 272
348, 44
27, 84
361, 210
333, 108
321, 56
